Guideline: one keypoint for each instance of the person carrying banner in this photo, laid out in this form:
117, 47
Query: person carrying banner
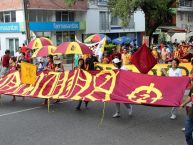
174, 71
49, 67
118, 65
81, 65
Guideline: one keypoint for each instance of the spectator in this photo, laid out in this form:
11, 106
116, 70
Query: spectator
90, 62
5, 63
105, 59
125, 57
23, 48
115, 54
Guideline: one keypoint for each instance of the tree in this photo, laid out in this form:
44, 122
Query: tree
156, 12
70, 2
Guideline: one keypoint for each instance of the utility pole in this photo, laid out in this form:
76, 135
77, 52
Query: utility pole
26, 15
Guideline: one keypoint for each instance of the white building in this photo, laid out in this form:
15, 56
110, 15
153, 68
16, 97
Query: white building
12, 30
184, 18
99, 20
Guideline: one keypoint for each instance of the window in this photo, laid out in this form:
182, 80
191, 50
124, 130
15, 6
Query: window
104, 21
114, 21
13, 44
40, 15
64, 16
9, 16
181, 16
65, 36
190, 17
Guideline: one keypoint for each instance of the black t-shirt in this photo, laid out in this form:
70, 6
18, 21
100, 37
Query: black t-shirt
90, 62
190, 113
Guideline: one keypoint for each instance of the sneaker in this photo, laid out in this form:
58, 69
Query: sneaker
130, 111
183, 129
116, 115
173, 117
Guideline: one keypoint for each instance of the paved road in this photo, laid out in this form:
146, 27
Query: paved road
28, 123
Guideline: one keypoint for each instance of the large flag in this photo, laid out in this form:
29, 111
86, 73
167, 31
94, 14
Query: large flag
100, 49
102, 86
143, 59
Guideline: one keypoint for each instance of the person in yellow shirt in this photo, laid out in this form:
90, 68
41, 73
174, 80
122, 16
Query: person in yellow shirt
155, 53
125, 57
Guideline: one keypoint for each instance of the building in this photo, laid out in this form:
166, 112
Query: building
56, 20
100, 20
12, 28
49, 18
60, 22
185, 16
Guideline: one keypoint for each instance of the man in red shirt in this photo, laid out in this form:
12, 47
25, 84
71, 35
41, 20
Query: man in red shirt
115, 54
5, 63
23, 48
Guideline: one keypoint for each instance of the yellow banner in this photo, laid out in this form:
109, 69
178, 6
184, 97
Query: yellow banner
28, 73
156, 70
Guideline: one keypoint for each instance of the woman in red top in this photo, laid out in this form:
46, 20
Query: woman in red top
13, 64
50, 67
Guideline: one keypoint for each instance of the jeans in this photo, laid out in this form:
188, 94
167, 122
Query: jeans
188, 130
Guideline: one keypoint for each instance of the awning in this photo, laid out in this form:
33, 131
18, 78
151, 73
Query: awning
172, 29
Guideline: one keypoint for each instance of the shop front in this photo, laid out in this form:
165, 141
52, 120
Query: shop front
58, 32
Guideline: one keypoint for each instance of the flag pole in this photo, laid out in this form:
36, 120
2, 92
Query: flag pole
48, 104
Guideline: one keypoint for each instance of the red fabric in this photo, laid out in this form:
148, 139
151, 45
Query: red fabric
27, 56
23, 49
110, 86
114, 55
5, 60
12, 69
143, 59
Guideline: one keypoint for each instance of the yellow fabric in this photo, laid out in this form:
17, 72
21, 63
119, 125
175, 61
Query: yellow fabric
155, 53
38, 44
51, 50
28, 73
88, 39
74, 48
126, 58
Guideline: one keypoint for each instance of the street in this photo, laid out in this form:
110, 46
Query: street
26, 122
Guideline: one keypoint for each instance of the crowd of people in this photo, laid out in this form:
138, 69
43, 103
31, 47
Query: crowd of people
119, 57
163, 53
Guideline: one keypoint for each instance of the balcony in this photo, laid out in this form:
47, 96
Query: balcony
185, 3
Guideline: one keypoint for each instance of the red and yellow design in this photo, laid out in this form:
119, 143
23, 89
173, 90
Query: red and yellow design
102, 86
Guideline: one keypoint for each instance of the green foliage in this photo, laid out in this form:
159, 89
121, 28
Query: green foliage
70, 2
156, 11
162, 37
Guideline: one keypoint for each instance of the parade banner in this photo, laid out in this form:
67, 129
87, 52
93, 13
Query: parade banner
102, 86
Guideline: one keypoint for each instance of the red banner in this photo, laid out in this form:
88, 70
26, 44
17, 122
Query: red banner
103, 86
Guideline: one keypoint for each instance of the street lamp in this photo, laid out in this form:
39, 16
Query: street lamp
26, 5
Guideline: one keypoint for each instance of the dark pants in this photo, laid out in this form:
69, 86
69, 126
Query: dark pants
188, 130
80, 103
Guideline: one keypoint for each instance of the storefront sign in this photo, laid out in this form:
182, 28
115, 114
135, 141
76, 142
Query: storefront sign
54, 26
9, 27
